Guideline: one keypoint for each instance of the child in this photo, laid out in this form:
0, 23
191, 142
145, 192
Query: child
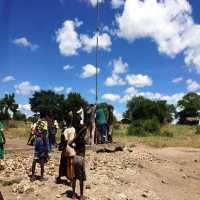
41, 148
2, 142
79, 159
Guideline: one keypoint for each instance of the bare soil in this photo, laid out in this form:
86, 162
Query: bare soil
139, 172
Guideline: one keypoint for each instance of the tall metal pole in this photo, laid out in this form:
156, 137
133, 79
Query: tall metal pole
97, 51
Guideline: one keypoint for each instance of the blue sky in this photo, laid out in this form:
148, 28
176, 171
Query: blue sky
149, 48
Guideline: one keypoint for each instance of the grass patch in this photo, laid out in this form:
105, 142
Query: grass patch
10, 182
170, 136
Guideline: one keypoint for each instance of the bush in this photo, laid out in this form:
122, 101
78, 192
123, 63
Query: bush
197, 130
116, 126
151, 126
136, 130
167, 134
144, 127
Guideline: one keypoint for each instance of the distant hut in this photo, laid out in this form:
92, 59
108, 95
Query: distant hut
125, 121
192, 121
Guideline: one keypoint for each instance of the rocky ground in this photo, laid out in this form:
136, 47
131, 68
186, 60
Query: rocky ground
136, 173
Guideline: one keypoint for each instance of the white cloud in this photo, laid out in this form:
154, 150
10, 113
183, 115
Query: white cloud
69, 89
114, 80
8, 79
94, 2
117, 115
177, 80
67, 67
169, 23
92, 91
88, 71
139, 80
68, 38
24, 107
111, 97
192, 85
89, 43
26, 88
131, 90
117, 3
23, 42
119, 67
59, 89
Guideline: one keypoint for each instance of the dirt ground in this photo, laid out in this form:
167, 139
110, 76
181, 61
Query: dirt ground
139, 172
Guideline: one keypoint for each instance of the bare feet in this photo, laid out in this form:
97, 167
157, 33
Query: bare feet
74, 197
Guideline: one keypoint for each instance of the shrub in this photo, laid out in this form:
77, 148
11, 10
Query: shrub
116, 126
151, 126
136, 130
144, 127
167, 134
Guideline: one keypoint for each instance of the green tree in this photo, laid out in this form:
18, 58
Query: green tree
74, 102
19, 116
140, 108
47, 102
7, 103
190, 107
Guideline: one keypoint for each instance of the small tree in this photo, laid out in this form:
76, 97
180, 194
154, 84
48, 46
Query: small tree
190, 106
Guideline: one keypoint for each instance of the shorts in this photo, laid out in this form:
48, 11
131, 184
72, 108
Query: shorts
79, 168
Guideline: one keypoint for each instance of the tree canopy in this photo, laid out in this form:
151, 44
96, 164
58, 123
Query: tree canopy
190, 107
140, 108
47, 102
7, 105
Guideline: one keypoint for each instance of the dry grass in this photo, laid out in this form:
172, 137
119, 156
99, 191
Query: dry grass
183, 136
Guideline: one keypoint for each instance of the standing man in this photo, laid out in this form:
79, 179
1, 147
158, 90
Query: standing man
91, 124
110, 120
101, 125
2, 142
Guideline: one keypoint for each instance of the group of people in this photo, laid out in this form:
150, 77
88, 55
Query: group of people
94, 123
72, 145
100, 124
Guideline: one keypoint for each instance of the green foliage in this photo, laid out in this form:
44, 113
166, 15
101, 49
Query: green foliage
50, 103
7, 104
74, 102
151, 126
167, 134
136, 130
144, 127
19, 116
47, 102
190, 105
140, 108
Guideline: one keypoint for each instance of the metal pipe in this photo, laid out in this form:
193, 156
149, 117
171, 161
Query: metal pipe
97, 50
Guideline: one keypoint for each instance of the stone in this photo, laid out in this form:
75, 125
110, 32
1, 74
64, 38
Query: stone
58, 196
